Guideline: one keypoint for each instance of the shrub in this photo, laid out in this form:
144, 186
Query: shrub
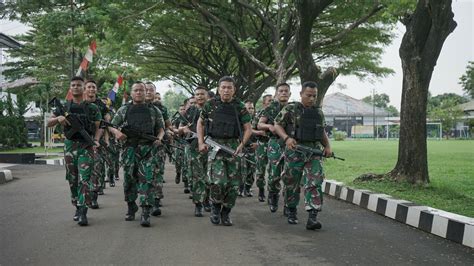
340, 135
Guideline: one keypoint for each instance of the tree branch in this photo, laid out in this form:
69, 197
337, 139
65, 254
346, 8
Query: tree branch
376, 8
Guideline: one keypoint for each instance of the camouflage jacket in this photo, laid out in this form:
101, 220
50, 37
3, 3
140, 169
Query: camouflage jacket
163, 109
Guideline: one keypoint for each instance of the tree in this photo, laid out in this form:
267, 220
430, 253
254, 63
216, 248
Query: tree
436, 101
173, 100
467, 80
381, 100
426, 30
448, 113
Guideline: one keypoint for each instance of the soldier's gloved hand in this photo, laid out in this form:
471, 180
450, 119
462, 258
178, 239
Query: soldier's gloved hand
203, 147
290, 143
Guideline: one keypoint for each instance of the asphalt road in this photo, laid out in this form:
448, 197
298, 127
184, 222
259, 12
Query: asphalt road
36, 227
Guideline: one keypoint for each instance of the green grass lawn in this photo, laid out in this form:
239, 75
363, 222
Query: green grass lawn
450, 163
33, 150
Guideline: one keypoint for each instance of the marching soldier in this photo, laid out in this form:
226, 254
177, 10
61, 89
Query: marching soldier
303, 123
226, 120
198, 161
275, 144
139, 164
261, 151
78, 151
179, 153
100, 157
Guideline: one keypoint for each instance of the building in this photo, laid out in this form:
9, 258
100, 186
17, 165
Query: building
353, 116
464, 128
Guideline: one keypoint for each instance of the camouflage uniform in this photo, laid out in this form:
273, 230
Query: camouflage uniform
178, 153
79, 159
101, 157
261, 158
223, 169
138, 161
274, 150
300, 169
161, 154
197, 162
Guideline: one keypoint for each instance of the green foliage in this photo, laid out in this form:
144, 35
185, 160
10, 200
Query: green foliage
13, 132
467, 80
340, 135
172, 100
381, 100
448, 113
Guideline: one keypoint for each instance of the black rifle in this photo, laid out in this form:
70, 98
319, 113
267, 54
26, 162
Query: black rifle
217, 147
311, 151
77, 126
130, 131
179, 115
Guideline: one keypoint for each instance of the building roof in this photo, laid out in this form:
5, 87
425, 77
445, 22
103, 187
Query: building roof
469, 106
339, 104
8, 42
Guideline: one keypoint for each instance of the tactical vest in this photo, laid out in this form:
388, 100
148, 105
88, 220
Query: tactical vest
138, 116
223, 123
310, 126
82, 112
193, 117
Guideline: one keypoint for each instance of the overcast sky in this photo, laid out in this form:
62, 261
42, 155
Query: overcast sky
457, 51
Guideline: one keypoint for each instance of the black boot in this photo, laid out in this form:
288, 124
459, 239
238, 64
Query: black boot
145, 220
186, 188
132, 209
156, 208
225, 216
198, 210
312, 223
83, 216
292, 219
216, 213
207, 205
261, 194
111, 181
248, 191
273, 201
94, 204
177, 179
285, 211
76, 215
241, 191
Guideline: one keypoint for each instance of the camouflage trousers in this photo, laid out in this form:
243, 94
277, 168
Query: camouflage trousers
301, 170
159, 171
275, 165
101, 159
187, 172
179, 160
198, 170
224, 178
139, 167
113, 167
79, 161
247, 170
261, 163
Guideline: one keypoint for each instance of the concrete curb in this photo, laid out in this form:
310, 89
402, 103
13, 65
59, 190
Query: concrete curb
5, 176
59, 161
457, 228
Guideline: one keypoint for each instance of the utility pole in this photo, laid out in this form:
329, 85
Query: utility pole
373, 106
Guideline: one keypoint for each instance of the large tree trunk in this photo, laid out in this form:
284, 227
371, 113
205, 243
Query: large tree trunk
427, 29
308, 11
